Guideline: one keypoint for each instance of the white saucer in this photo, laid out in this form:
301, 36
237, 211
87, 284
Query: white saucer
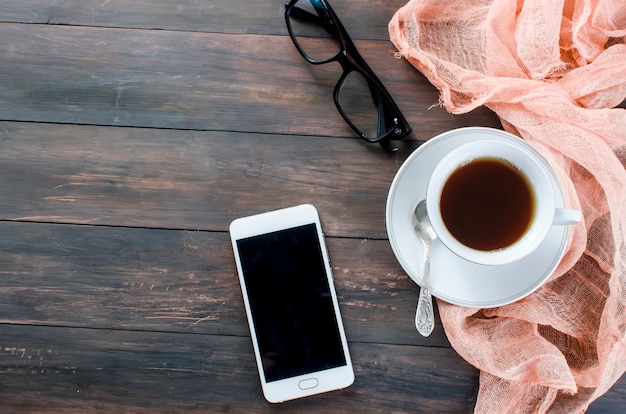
454, 279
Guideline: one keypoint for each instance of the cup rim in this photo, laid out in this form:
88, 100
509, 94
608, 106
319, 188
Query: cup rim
526, 158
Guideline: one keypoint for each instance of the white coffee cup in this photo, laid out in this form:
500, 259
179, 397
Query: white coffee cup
530, 166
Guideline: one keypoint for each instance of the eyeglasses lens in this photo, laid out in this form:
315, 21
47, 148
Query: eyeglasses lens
357, 101
313, 31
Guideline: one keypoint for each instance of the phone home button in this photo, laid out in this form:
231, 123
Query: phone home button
307, 384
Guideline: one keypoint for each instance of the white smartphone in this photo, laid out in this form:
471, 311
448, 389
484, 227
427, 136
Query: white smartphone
297, 334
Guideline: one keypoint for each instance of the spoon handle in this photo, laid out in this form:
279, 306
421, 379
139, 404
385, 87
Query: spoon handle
424, 316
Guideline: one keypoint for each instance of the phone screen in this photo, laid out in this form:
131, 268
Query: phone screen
290, 302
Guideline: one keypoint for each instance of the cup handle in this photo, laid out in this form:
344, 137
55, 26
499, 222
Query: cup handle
563, 216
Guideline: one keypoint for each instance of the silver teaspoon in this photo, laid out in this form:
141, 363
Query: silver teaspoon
424, 316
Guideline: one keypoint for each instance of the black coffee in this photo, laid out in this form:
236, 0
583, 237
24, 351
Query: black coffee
487, 204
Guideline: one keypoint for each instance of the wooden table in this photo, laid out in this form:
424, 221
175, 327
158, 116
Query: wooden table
132, 133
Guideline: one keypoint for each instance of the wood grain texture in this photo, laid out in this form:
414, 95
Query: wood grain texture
81, 370
364, 20
47, 369
228, 82
181, 281
140, 177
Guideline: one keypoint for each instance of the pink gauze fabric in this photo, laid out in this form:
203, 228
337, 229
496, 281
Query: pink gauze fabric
555, 73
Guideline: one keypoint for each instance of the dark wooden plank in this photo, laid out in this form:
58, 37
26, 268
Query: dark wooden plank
363, 20
189, 180
45, 369
613, 402
181, 281
91, 370
202, 81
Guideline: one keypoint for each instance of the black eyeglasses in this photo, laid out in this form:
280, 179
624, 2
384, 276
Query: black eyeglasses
320, 38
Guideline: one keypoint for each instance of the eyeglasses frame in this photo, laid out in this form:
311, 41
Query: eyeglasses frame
351, 60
